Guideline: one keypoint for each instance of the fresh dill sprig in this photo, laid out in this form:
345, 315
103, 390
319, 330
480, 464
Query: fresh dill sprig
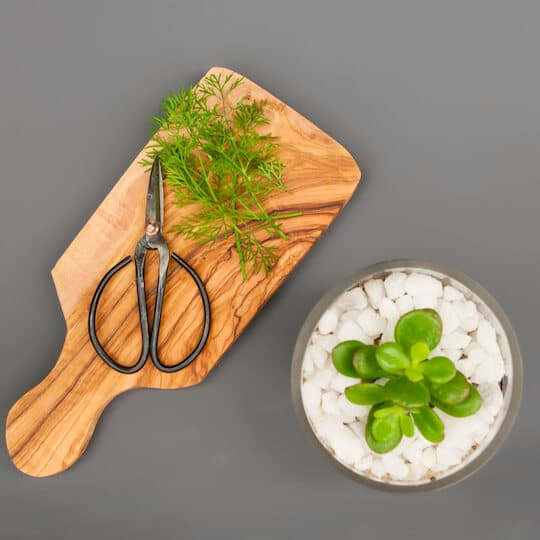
214, 157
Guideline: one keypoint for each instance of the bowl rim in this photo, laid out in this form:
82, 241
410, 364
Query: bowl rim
515, 385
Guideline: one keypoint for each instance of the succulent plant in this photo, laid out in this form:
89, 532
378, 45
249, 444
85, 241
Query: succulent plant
403, 384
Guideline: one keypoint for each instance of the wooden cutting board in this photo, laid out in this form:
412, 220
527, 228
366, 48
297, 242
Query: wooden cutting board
50, 426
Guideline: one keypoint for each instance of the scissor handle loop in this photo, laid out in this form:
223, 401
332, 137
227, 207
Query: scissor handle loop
149, 341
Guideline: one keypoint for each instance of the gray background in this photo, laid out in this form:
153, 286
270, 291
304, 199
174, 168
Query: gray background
438, 102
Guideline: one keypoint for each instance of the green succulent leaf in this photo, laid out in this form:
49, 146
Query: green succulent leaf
407, 425
407, 393
386, 428
342, 357
393, 409
392, 358
428, 423
365, 393
419, 326
414, 374
378, 446
366, 365
419, 352
439, 369
467, 407
452, 392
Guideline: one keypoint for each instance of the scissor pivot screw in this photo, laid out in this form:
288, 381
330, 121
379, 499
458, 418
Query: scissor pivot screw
152, 228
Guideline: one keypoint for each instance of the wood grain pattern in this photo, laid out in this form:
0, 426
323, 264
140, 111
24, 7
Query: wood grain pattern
50, 426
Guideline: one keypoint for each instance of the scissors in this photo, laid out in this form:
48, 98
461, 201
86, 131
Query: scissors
152, 239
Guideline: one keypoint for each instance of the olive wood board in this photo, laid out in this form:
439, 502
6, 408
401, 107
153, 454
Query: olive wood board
49, 427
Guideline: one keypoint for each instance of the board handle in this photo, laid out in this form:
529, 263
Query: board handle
49, 427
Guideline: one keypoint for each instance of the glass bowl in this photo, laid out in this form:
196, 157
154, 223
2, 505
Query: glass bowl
511, 385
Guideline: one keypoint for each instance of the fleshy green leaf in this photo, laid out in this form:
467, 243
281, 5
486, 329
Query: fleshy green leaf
407, 393
419, 326
419, 352
377, 446
429, 424
414, 374
381, 413
469, 406
386, 428
392, 358
439, 369
407, 425
366, 365
452, 392
342, 357
365, 393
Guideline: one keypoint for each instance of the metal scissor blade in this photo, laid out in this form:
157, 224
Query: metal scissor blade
154, 199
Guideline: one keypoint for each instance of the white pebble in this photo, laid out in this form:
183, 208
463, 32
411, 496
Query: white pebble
416, 472
413, 452
451, 294
353, 299
347, 330
450, 317
327, 343
447, 457
388, 309
350, 411
395, 285
425, 301
467, 314
359, 427
486, 336
346, 445
404, 304
492, 397
395, 466
311, 396
329, 403
364, 463
455, 340
465, 366
453, 354
328, 322
339, 382
377, 468
322, 377
388, 334
318, 355
350, 315
371, 323
375, 291
492, 370
307, 365
423, 285
428, 457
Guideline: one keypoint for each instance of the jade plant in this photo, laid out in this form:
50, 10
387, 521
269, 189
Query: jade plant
403, 384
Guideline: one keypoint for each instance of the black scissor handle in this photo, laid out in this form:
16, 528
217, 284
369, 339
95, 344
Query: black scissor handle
149, 341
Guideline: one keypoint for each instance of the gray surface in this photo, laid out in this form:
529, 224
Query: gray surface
439, 103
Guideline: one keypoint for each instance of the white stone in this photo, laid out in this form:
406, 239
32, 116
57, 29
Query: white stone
428, 457
375, 291
447, 457
350, 315
455, 340
453, 354
329, 403
450, 317
377, 468
371, 323
395, 466
364, 463
353, 299
328, 321
413, 453
318, 355
465, 366
339, 382
395, 285
388, 309
346, 445
451, 294
322, 377
486, 336
359, 428
492, 397
311, 396
492, 370
388, 334
327, 343
423, 285
404, 304
350, 411
347, 330
416, 472
425, 301
307, 365
467, 314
